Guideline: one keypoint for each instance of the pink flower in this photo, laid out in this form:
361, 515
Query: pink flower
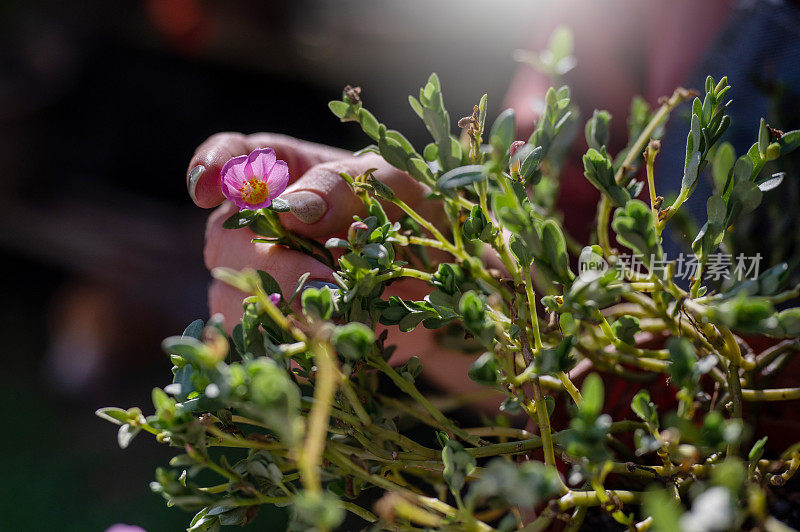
274, 298
253, 181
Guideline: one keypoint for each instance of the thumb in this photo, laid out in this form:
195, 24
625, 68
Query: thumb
322, 204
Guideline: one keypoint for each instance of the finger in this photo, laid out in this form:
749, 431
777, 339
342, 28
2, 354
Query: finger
234, 249
203, 175
322, 203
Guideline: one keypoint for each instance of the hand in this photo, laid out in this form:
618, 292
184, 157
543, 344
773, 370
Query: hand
321, 206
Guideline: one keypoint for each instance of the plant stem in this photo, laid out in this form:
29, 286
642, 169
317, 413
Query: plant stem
415, 394
775, 394
363, 513
544, 423
352, 398
317, 427
571, 389
447, 246
593, 498
404, 272
534, 318
604, 207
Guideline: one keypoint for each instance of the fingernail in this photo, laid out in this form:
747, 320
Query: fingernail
194, 177
306, 206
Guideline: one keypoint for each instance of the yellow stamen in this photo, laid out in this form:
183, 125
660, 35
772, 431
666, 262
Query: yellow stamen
254, 191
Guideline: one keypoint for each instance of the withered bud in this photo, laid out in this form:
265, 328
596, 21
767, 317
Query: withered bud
466, 122
353, 94
774, 134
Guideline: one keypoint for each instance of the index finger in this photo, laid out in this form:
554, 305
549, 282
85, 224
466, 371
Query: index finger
203, 175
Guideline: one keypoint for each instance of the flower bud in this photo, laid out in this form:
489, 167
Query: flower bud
356, 226
517, 144
773, 151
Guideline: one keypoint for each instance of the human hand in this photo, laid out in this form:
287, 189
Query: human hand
321, 206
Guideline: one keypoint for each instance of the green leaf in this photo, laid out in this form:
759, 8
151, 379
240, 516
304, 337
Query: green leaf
555, 251
269, 284
318, 511
758, 450
339, 108
635, 229
194, 329
788, 323
763, 138
381, 189
240, 219
369, 123
115, 415
458, 465
317, 303
530, 164
597, 129
716, 209
625, 328
558, 359
126, 434
644, 408
461, 177
723, 163
191, 349
561, 42
279, 205
772, 182
682, 361
599, 170
353, 340
520, 250
593, 396
664, 509
503, 131
789, 141
485, 370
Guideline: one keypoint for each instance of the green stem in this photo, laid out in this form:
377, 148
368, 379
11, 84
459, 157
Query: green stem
544, 423
404, 272
604, 207
415, 394
317, 426
352, 398
534, 318
447, 246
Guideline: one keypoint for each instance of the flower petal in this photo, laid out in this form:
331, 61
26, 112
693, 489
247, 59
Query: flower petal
260, 161
266, 203
233, 177
234, 168
278, 179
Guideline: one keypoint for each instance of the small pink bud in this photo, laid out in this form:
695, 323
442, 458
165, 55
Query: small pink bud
356, 226
274, 298
517, 144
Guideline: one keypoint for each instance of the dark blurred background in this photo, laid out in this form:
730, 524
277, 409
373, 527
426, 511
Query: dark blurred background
101, 106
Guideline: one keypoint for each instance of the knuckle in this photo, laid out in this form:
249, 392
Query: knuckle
225, 137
